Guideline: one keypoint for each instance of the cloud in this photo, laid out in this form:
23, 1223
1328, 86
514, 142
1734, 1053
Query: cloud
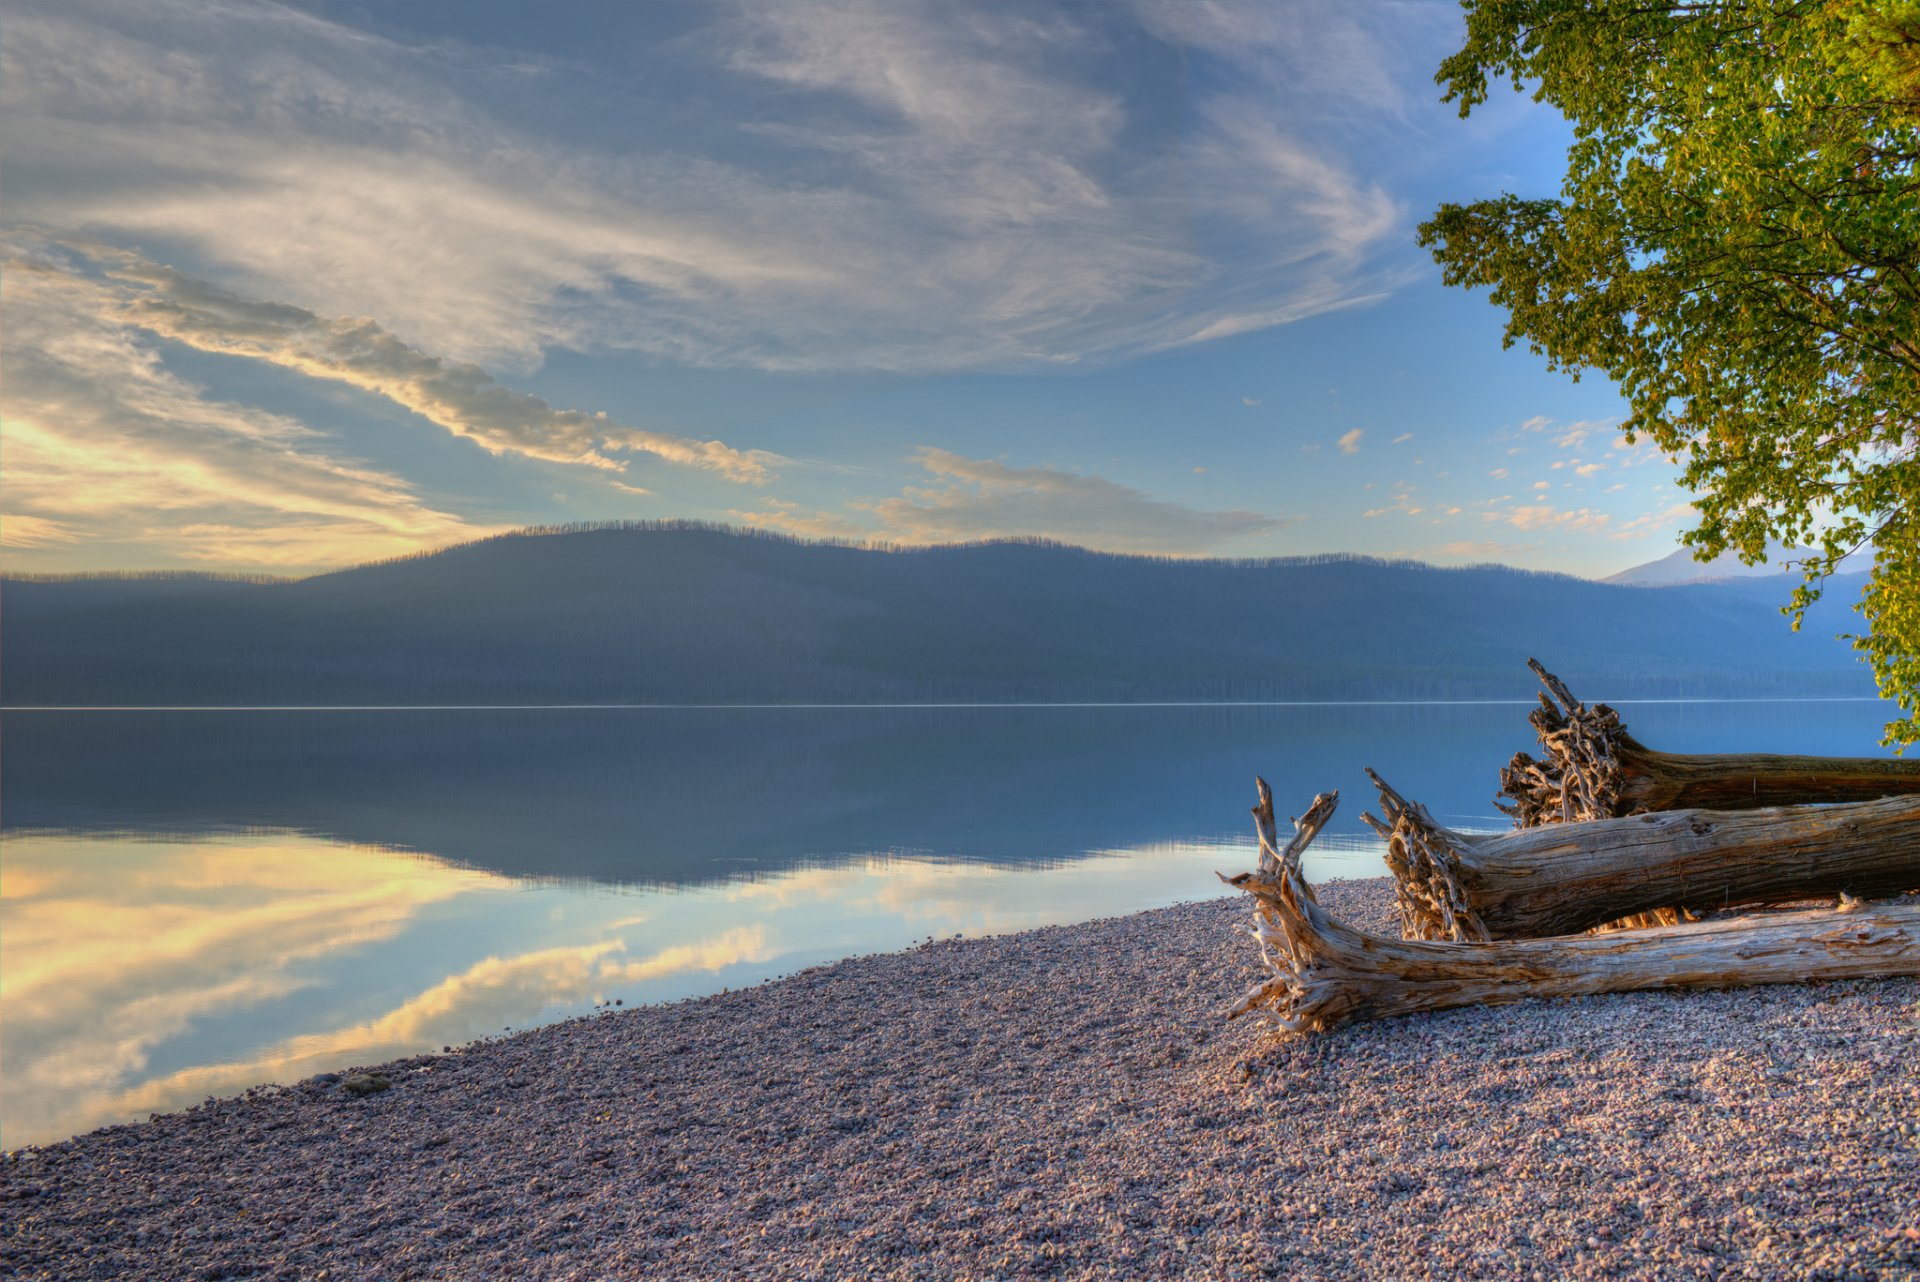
22, 531
1654, 522
105, 445
458, 396
808, 525
985, 499
1248, 401
1546, 517
1484, 549
1349, 442
1499, 473
1403, 438
895, 185
1402, 502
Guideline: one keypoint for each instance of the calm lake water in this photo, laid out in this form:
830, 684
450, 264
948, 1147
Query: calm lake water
192, 903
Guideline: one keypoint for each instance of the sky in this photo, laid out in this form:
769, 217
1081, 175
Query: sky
291, 287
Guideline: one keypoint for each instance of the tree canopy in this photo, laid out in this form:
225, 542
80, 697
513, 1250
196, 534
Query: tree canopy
1737, 245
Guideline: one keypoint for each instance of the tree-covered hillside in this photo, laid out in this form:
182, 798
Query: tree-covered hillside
681, 614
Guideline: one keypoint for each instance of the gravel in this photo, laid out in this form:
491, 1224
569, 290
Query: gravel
1064, 1102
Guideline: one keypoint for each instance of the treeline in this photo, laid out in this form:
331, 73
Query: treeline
680, 613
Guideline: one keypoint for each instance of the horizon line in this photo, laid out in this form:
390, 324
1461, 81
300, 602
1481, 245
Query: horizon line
820, 707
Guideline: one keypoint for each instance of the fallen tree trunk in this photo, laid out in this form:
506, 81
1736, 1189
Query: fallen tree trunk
1594, 769
1562, 878
1325, 973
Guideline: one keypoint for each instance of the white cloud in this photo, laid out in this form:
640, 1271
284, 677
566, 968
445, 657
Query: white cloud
1349, 442
1498, 473
1249, 401
1403, 438
986, 499
461, 397
968, 200
1484, 549
1546, 517
1402, 502
1648, 523
105, 445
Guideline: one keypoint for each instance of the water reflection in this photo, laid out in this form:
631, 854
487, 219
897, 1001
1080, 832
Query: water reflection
192, 904
144, 975
671, 797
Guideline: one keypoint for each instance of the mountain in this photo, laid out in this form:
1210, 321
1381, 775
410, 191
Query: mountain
687, 614
1680, 567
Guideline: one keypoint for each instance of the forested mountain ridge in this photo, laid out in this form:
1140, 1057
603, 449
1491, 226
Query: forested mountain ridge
686, 614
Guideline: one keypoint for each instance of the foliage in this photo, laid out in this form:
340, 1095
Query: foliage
1737, 245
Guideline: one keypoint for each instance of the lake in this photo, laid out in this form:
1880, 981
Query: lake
192, 903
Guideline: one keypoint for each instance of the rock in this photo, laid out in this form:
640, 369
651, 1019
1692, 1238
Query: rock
365, 1084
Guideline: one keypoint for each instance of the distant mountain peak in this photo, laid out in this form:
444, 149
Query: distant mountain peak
1679, 567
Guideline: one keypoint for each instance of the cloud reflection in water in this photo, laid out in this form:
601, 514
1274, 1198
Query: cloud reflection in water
141, 974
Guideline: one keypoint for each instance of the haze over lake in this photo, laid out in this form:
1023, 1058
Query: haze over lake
197, 903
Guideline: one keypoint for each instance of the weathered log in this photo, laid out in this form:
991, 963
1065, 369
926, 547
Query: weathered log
1594, 769
1324, 973
1562, 878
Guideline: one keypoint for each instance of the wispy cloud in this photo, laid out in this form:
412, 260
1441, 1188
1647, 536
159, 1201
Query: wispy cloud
458, 396
988, 191
23, 531
792, 518
987, 499
104, 443
1484, 549
1544, 516
1349, 442
1657, 522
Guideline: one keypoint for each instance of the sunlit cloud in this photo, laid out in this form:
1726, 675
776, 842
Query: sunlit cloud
789, 518
1542, 516
103, 443
983, 499
1484, 549
458, 396
1650, 523
22, 531
1349, 442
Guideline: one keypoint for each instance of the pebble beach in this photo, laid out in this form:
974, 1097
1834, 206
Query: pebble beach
1066, 1102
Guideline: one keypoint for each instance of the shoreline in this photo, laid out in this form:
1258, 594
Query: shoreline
1066, 1101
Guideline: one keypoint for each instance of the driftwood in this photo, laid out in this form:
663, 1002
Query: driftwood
1277, 861
1563, 878
1594, 769
1325, 973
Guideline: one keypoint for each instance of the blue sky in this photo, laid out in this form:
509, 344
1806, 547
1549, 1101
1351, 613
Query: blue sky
290, 287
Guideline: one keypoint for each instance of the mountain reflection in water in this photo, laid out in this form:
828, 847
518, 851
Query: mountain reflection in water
195, 903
